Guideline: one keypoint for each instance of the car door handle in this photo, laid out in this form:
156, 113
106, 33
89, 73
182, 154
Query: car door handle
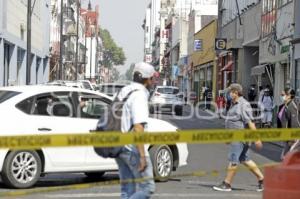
44, 129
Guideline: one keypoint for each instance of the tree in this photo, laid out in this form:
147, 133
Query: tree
129, 72
112, 54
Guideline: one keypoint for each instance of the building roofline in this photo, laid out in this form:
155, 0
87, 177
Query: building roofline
214, 20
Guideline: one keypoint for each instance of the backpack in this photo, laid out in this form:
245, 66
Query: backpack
112, 122
262, 99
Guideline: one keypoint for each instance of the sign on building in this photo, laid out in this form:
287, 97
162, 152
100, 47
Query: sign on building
198, 45
148, 58
165, 35
220, 44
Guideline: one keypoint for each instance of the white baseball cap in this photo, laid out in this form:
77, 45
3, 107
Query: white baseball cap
145, 69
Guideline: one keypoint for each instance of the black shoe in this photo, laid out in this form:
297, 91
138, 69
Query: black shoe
260, 186
223, 187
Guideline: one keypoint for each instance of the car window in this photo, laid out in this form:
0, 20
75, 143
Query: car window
5, 95
54, 104
26, 105
92, 107
168, 90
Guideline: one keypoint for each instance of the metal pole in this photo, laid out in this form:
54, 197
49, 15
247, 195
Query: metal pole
60, 73
238, 11
85, 61
28, 61
91, 54
77, 37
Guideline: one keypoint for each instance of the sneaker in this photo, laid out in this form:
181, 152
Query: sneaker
260, 186
223, 187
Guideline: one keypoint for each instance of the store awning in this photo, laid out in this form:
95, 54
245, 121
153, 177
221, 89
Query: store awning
258, 70
228, 66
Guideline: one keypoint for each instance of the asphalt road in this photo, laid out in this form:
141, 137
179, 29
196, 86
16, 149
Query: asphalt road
209, 158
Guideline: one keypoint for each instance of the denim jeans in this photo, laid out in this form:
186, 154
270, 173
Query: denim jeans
238, 152
128, 162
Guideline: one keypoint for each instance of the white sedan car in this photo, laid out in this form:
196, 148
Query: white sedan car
54, 109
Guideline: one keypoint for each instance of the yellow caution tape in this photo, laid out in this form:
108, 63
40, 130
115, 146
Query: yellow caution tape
119, 139
197, 173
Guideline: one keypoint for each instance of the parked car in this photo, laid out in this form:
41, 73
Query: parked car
85, 84
165, 99
42, 110
110, 89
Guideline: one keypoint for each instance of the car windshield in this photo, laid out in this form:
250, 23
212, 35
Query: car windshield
168, 90
5, 95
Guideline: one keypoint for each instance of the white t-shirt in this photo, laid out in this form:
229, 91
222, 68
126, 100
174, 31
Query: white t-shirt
135, 109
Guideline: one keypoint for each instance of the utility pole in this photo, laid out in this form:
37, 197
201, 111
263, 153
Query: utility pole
77, 38
28, 60
60, 70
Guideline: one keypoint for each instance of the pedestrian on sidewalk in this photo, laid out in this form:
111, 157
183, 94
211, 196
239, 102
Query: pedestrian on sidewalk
134, 162
221, 103
238, 116
288, 117
267, 105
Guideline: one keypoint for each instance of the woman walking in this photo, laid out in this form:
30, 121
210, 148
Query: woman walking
288, 117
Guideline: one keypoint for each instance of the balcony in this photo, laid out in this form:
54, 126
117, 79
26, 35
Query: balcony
70, 46
69, 57
69, 14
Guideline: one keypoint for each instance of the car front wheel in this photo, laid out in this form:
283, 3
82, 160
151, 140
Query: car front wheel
162, 160
21, 169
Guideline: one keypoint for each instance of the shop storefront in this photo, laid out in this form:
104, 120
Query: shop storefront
205, 78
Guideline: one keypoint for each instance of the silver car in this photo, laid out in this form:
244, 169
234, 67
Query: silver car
165, 99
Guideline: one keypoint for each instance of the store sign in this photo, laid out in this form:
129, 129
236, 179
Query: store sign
148, 58
165, 35
285, 49
198, 45
220, 44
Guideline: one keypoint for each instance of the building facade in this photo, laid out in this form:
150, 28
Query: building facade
204, 60
258, 43
13, 42
296, 50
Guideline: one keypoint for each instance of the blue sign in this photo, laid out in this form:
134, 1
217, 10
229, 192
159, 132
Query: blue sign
198, 45
175, 71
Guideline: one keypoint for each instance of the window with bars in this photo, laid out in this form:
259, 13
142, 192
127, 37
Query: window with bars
268, 20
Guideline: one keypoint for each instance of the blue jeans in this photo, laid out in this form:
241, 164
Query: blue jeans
128, 162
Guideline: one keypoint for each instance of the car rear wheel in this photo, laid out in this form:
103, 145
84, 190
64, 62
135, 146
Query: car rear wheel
162, 160
21, 169
95, 175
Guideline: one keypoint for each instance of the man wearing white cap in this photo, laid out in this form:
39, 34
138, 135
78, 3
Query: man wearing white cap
134, 161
